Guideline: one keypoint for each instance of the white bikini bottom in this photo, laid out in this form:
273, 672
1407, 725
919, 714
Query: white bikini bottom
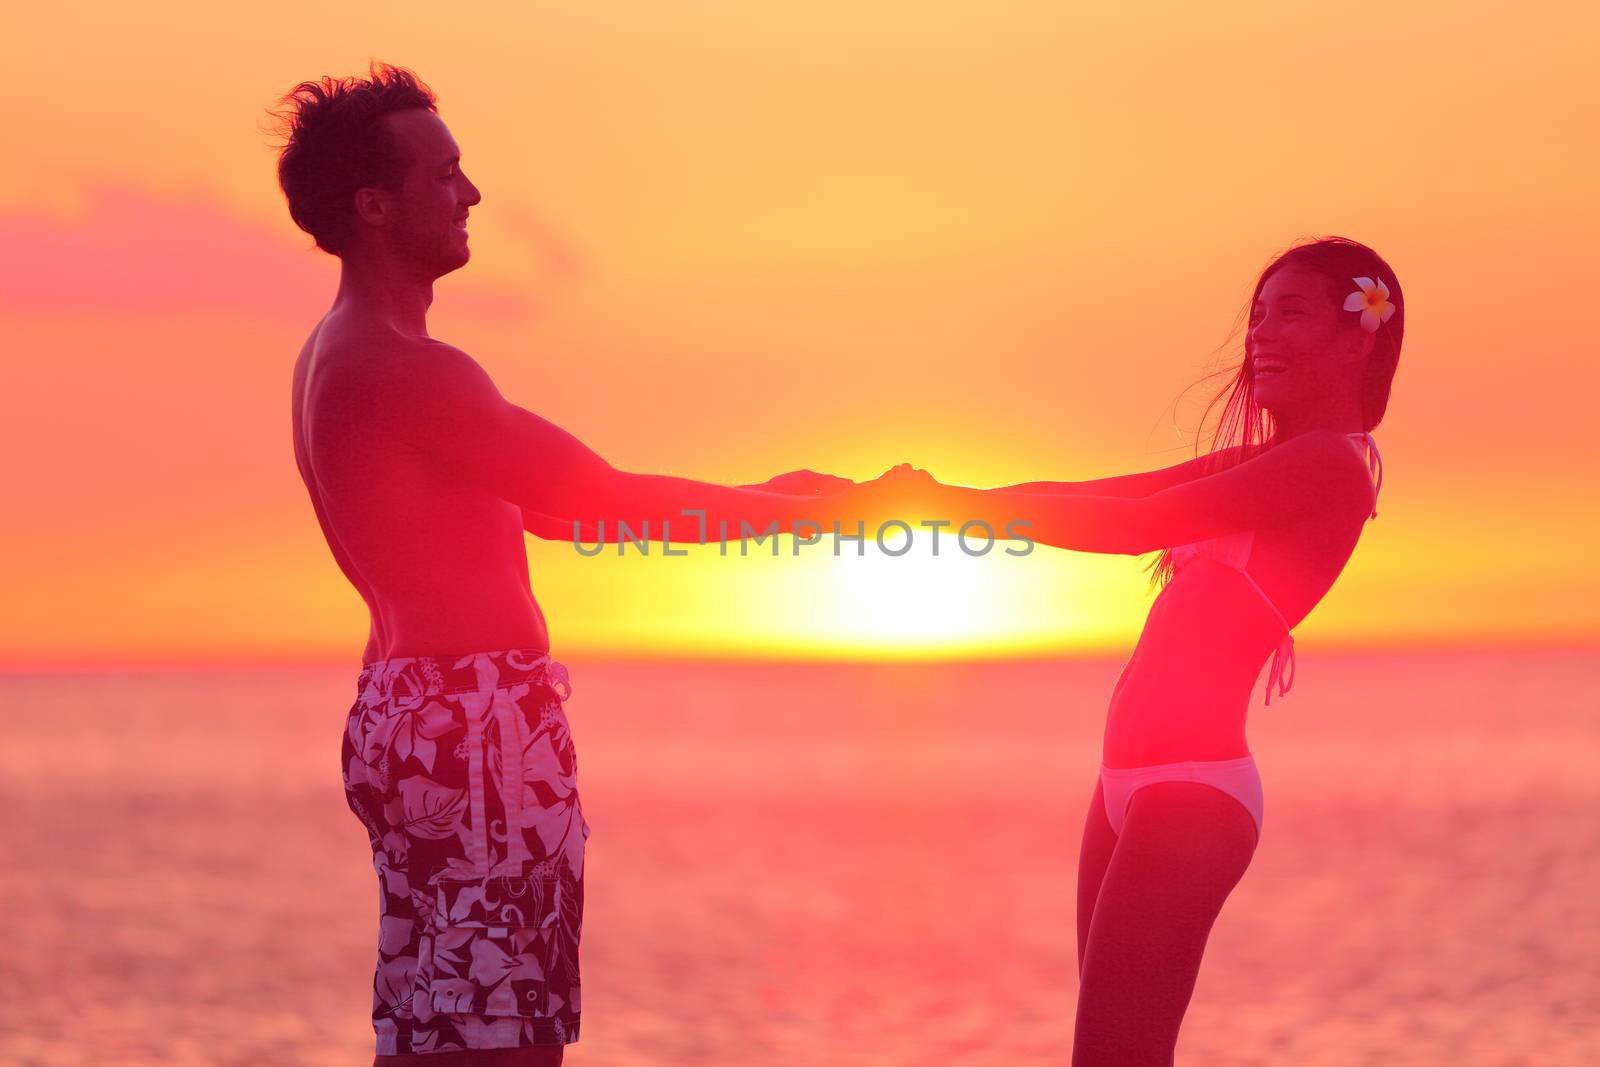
1238, 778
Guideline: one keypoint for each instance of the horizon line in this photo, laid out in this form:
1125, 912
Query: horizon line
309, 660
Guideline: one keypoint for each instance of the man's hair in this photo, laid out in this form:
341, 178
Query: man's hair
334, 143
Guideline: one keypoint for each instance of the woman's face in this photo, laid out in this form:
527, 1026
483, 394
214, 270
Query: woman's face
1302, 345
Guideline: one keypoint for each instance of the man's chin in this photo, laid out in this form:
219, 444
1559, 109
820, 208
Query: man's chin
455, 261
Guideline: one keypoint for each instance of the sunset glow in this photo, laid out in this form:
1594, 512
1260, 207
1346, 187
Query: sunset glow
737, 240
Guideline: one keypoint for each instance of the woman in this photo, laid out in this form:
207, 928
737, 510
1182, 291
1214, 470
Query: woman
1252, 535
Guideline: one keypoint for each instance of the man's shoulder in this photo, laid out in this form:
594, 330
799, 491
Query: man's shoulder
435, 368
385, 361
359, 343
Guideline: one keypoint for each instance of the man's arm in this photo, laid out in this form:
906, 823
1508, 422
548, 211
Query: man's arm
437, 401
550, 528
1313, 474
794, 483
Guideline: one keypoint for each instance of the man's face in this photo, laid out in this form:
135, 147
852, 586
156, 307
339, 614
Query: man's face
428, 227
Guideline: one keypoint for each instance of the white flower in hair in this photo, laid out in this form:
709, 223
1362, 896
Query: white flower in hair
1372, 300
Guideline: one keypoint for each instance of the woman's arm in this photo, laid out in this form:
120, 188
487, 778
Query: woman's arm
1129, 485
1309, 475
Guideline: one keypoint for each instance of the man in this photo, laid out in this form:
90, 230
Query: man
458, 758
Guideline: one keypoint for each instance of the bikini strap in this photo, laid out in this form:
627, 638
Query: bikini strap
1374, 468
1282, 672
1282, 658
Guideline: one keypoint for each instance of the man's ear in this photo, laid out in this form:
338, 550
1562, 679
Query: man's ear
372, 205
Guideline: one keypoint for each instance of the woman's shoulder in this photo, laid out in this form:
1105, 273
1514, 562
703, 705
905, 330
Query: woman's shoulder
1221, 459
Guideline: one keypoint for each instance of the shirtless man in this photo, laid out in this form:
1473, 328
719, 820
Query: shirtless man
457, 756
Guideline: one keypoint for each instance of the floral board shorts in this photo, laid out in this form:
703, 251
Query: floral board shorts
463, 771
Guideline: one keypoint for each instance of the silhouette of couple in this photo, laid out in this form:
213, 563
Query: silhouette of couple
458, 757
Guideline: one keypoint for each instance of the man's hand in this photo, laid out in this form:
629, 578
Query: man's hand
803, 483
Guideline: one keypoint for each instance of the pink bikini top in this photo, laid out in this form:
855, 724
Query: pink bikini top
1233, 550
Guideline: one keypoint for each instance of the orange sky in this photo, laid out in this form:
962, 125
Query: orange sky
726, 240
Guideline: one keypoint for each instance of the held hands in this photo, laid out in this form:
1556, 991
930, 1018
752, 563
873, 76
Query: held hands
803, 483
901, 478
906, 477
902, 492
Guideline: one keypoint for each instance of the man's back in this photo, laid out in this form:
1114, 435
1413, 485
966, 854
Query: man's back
440, 561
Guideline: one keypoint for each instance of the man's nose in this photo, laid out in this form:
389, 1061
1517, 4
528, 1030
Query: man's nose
473, 196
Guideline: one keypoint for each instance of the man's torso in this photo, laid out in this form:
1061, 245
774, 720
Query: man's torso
440, 561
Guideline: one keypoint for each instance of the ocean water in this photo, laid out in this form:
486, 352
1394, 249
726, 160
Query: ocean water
822, 865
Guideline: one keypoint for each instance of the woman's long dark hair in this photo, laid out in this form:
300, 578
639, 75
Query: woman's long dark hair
1243, 422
